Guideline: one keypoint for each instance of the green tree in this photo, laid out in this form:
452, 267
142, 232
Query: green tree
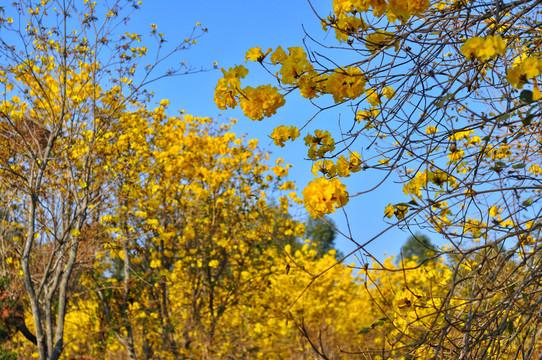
419, 246
322, 232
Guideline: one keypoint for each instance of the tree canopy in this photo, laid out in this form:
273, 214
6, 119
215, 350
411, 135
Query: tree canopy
418, 247
443, 97
127, 232
322, 232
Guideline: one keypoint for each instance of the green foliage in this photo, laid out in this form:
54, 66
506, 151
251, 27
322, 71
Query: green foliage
322, 232
7, 355
418, 245
526, 96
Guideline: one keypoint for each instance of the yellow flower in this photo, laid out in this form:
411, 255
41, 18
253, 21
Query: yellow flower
530, 67
373, 98
308, 85
431, 130
322, 196
254, 54
384, 161
388, 92
401, 212
536, 93
261, 101
404, 9
494, 211
278, 56
228, 87
280, 170
347, 84
326, 167
283, 133
343, 166
294, 65
380, 40
355, 162
484, 48
514, 77
389, 211
319, 144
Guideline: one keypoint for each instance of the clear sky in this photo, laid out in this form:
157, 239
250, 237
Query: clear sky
235, 26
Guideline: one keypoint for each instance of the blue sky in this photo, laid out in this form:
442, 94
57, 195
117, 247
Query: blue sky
233, 28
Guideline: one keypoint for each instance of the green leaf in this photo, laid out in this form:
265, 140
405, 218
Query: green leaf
528, 120
380, 322
527, 202
511, 327
526, 96
365, 330
519, 166
504, 117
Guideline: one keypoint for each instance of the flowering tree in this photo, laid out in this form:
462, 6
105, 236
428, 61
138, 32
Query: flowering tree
443, 95
66, 77
188, 240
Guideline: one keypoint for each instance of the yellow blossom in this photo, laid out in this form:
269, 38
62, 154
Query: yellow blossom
254, 54
283, 133
261, 101
484, 48
319, 144
322, 196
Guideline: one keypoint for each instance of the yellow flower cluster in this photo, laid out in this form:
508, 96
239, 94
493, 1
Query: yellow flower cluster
319, 144
322, 196
348, 25
461, 135
343, 84
484, 48
404, 9
399, 210
475, 227
256, 54
283, 133
422, 178
297, 70
228, 87
407, 301
347, 21
350, 6
326, 167
255, 102
368, 116
261, 101
346, 166
343, 168
347, 84
380, 40
528, 68
309, 85
431, 130
294, 64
